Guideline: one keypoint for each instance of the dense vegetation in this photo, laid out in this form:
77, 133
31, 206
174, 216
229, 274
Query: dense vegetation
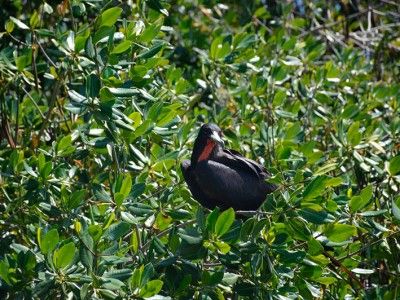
101, 100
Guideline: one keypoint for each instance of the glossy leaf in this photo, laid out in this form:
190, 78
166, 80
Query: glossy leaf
63, 257
224, 221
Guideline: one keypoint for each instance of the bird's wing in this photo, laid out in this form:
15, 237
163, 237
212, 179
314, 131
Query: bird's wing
232, 183
196, 191
236, 160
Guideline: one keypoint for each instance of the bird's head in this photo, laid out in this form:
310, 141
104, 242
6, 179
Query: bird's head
210, 131
208, 141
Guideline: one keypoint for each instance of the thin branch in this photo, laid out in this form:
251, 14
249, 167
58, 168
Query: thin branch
34, 102
165, 232
16, 128
352, 16
35, 72
250, 213
338, 264
45, 54
51, 107
369, 245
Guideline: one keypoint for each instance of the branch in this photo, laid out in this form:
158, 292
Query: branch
338, 264
162, 233
325, 26
34, 102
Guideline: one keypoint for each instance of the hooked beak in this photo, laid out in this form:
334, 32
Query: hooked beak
216, 138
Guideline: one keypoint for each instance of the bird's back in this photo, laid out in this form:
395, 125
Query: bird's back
234, 187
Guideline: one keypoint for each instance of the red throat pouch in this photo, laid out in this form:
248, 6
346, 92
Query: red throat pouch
207, 150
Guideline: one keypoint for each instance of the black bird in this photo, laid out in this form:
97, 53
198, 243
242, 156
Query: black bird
222, 177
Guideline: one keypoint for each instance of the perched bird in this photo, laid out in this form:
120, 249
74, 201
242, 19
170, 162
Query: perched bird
222, 177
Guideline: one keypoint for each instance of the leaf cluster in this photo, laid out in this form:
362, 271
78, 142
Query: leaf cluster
100, 101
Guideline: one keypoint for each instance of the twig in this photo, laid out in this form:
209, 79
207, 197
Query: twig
352, 16
253, 212
34, 102
62, 113
338, 264
164, 232
5, 129
16, 128
369, 245
45, 54
17, 40
51, 107
35, 72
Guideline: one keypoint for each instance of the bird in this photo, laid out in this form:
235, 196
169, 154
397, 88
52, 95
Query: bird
220, 177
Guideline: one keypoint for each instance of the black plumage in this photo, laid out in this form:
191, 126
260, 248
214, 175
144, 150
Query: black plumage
222, 177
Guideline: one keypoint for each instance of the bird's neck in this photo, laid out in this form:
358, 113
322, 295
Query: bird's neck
205, 151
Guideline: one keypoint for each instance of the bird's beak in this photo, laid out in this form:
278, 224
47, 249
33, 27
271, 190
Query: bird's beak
216, 138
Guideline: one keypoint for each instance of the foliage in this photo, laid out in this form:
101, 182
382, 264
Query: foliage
101, 100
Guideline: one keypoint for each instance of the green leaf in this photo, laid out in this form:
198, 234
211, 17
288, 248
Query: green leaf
9, 26
112, 284
230, 279
212, 219
34, 20
222, 247
122, 47
126, 185
119, 198
134, 241
394, 165
149, 33
359, 202
110, 16
49, 241
335, 181
4, 272
326, 168
219, 48
396, 209
124, 92
190, 236
46, 170
89, 48
353, 134
313, 216
121, 124
148, 272
363, 271
20, 24
214, 47
314, 247
136, 278
86, 250
315, 291
76, 199
117, 230
298, 229
151, 52
64, 146
292, 61
315, 188
64, 256
326, 280
151, 288
93, 85
340, 232
224, 221
29, 170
